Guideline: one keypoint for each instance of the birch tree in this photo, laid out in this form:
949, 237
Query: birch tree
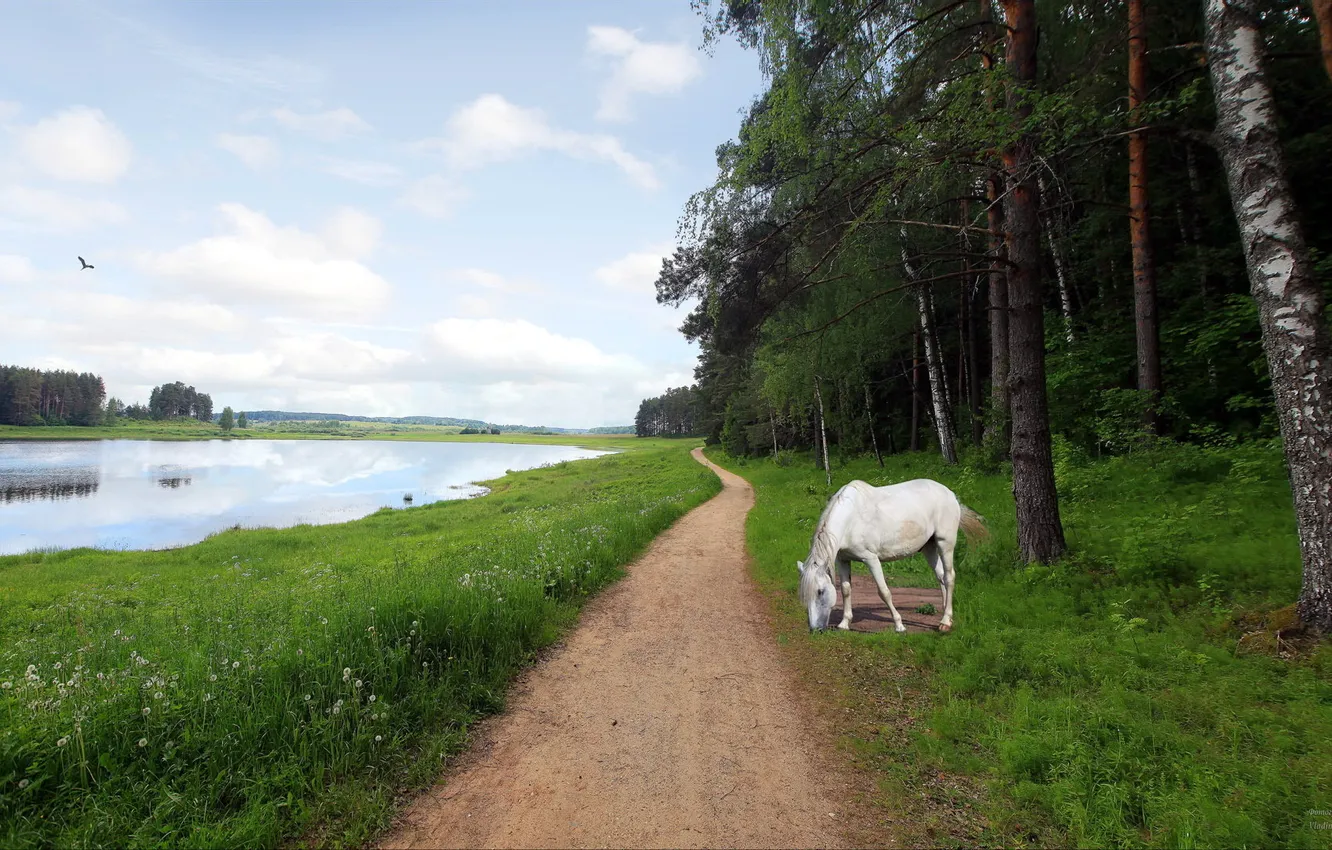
1281, 277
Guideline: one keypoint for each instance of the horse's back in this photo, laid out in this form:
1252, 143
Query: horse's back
898, 519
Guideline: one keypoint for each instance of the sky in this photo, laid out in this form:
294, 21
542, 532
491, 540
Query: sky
386, 209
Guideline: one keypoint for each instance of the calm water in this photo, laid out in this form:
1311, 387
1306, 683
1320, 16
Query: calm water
139, 494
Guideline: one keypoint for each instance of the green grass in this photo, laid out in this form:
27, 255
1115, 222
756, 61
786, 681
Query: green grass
1105, 701
265, 685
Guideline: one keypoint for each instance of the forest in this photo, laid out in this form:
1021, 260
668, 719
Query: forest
1010, 232
52, 397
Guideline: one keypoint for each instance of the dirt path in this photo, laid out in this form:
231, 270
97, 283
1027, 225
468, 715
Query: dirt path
667, 719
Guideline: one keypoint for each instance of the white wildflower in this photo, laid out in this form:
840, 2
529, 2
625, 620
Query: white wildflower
359, 683
24, 783
378, 738
147, 711
62, 742
372, 698
143, 742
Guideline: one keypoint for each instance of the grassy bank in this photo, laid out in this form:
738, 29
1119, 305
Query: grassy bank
265, 684
1128, 697
189, 429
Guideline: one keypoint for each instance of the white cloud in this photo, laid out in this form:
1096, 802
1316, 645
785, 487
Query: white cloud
491, 129
350, 233
366, 173
256, 261
54, 211
489, 350
487, 279
78, 144
640, 67
255, 151
16, 269
9, 110
329, 125
635, 272
435, 196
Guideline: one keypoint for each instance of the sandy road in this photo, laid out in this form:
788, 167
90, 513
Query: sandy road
666, 719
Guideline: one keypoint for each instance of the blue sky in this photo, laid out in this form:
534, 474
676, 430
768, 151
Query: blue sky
440, 208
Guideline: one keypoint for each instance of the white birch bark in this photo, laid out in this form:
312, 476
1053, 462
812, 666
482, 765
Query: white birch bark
1290, 301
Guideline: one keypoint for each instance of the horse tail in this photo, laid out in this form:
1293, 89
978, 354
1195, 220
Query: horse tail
973, 524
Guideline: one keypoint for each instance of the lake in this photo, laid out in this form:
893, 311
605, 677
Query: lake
143, 494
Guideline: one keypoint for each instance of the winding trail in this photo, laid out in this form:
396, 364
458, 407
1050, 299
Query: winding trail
666, 719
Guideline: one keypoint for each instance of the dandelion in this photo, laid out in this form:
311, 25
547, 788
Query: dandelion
7, 685
374, 717
307, 697
346, 674
143, 742
157, 695
415, 624
24, 783
62, 742
235, 665
147, 711
372, 698
359, 683
300, 652
212, 677
337, 709
378, 738
58, 665
323, 621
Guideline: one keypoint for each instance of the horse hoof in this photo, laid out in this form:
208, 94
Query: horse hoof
846, 627
899, 628
945, 627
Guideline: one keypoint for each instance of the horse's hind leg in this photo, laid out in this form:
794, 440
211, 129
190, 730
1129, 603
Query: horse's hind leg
876, 569
844, 573
939, 555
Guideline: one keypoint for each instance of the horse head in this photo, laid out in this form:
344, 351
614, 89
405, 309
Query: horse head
817, 594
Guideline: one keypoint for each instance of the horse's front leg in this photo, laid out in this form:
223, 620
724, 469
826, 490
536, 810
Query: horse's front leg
844, 573
876, 569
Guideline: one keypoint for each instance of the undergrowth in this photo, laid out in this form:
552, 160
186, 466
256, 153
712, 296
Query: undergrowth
1109, 699
267, 684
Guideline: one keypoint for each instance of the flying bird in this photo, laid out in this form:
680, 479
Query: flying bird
85, 264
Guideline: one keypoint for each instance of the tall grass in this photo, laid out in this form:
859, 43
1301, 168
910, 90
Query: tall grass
265, 683
1108, 700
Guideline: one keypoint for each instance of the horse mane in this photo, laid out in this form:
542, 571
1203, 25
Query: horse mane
823, 548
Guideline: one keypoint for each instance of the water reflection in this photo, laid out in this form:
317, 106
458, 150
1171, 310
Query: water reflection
145, 494
52, 484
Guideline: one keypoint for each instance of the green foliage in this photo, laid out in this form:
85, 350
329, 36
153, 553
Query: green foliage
227, 420
1101, 700
239, 690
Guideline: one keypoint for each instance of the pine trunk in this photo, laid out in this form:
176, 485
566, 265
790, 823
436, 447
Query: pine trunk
1040, 534
1144, 266
998, 425
1323, 12
1290, 300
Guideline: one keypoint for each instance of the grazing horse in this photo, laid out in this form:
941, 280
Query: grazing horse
875, 524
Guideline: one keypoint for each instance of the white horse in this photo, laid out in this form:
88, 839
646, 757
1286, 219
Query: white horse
875, 524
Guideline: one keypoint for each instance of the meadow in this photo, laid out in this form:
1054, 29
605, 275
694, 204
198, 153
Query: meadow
1140, 693
265, 686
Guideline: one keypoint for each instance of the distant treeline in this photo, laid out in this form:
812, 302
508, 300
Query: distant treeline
674, 413
478, 425
37, 397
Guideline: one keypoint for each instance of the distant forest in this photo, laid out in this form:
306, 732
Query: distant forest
37, 397
678, 412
